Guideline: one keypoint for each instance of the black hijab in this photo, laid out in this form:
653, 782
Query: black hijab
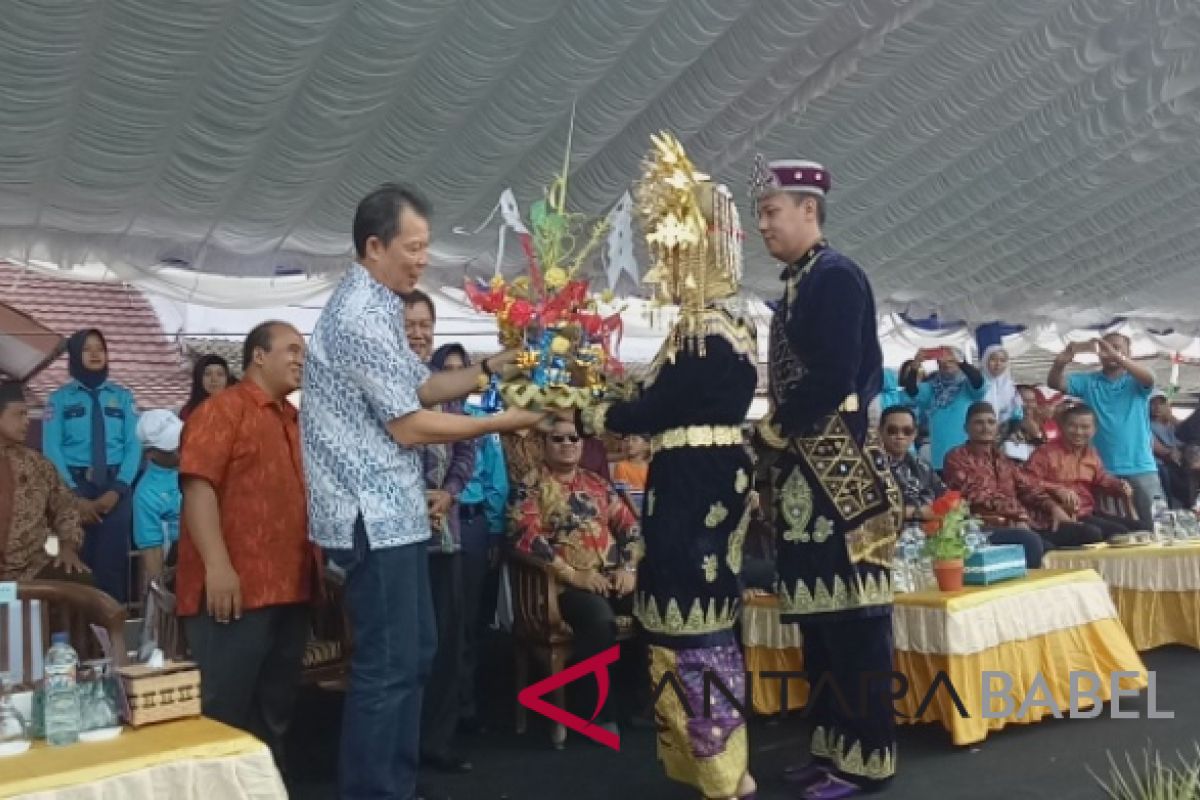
92, 379
438, 359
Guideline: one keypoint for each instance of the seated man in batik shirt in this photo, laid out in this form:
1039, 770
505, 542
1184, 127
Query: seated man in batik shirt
34, 504
573, 519
920, 485
1074, 465
1005, 494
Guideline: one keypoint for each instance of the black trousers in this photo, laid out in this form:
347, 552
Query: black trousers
1177, 482
440, 710
593, 620
249, 668
849, 663
1091, 529
478, 607
1031, 541
106, 544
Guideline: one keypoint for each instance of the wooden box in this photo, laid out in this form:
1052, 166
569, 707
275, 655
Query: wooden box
158, 695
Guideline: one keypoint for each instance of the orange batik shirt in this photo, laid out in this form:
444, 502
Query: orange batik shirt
247, 446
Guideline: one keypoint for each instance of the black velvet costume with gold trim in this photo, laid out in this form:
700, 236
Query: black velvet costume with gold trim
696, 510
838, 509
837, 505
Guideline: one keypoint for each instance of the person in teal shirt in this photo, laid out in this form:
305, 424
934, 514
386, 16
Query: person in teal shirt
945, 398
157, 499
89, 434
1119, 393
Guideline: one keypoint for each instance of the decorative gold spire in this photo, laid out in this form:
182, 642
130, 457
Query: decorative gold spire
693, 234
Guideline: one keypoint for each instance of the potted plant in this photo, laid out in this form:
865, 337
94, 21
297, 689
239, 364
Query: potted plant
945, 541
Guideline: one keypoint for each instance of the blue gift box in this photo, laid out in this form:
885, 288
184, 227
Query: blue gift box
989, 565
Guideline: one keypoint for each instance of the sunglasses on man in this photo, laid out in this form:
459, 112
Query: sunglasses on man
896, 430
562, 438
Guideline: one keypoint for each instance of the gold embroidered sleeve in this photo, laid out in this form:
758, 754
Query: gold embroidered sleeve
593, 418
770, 434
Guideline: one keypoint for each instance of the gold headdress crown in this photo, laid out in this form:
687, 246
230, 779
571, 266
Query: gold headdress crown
692, 229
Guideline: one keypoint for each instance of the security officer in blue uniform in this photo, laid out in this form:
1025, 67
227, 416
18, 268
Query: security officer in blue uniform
90, 434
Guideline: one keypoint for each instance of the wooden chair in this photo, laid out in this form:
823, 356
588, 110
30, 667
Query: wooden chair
1118, 505
327, 654
62, 606
540, 632
161, 617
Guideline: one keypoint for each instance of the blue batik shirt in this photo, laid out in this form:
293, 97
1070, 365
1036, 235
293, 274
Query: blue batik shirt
359, 375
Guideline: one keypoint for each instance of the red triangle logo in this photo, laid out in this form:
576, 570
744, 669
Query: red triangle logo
531, 697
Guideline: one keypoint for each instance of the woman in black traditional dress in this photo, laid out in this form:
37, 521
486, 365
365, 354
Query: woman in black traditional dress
696, 509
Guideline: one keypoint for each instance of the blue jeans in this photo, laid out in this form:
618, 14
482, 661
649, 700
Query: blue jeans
1146, 487
391, 618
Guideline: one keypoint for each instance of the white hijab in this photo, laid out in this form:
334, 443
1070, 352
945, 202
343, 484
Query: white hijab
1001, 390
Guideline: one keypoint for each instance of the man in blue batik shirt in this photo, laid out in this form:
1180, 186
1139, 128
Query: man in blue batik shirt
363, 418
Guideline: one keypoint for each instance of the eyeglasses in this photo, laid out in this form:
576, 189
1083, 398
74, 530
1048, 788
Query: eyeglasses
892, 430
559, 438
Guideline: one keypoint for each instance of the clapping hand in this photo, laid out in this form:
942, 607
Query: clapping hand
590, 581
1058, 517
439, 502
623, 582
89, 514
1069, 500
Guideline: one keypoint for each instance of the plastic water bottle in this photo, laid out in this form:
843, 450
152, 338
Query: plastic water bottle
973, 537
62, 693
912, 545
903, 579
1160, 512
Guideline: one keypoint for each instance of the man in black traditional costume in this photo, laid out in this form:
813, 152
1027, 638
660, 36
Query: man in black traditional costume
837, 506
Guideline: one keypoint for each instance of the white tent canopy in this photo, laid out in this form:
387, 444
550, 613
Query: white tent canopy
1029, 160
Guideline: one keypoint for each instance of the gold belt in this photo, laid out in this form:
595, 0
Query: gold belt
698, 436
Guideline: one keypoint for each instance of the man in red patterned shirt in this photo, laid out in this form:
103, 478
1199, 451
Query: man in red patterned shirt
246, 568
1074, 464
574, 519
1007, 495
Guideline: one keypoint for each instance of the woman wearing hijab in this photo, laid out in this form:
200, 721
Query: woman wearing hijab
210, 375
90, 435
945, 398
1001, 390
482, 515
448, 470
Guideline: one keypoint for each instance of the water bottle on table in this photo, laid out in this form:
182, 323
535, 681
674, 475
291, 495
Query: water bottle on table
62, 692
14, 733
1163, 527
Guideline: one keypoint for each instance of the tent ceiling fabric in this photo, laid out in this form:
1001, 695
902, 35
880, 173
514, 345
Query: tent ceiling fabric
1028, 160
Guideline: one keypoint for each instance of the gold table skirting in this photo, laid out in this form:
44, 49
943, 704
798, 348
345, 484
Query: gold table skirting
1156, 589
1077, 638
195, 759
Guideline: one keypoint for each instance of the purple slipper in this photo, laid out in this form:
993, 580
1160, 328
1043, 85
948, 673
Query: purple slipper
832, 788
805, 773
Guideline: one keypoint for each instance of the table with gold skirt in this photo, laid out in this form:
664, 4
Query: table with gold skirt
194, 759
1156, 588
1033, 632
